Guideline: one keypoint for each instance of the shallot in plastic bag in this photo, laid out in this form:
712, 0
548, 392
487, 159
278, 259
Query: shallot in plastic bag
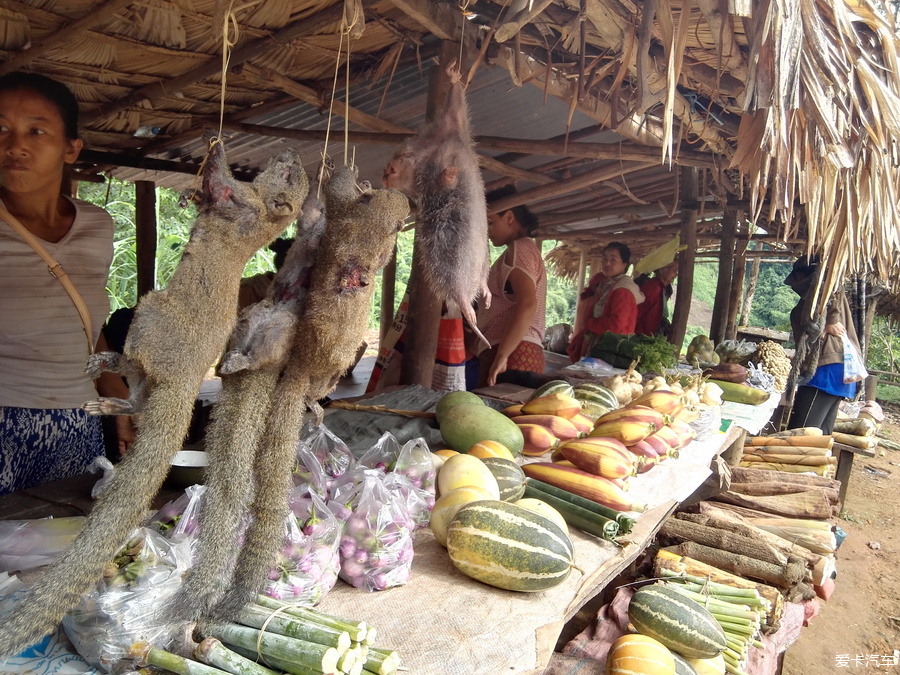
377, 545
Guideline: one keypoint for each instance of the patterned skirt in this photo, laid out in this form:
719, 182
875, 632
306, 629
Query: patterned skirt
527, 356
38, 446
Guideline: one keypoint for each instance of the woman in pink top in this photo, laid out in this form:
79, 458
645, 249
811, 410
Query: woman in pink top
514, 323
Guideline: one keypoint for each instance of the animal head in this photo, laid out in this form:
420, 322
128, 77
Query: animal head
275, 195
399, 173
363, 226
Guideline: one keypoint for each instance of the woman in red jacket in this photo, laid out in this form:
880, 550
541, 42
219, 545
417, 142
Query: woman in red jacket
657, 290
609, 303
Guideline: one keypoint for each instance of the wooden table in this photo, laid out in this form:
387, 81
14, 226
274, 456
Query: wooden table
441, 621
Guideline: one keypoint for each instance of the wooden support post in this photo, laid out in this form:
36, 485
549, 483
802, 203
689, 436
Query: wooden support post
747, 302
424, 318
737, 285
388, 296
145, 236
723, 291
582, 283
690, 195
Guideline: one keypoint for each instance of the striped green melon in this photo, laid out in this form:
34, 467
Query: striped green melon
681, 624
682, 665
552, 387
588, 392
509, 547
510, 477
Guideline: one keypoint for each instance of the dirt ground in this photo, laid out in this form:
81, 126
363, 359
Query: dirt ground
858, 629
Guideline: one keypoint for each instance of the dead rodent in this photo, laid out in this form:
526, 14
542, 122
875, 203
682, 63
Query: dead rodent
177, 333
360, 233
438, 170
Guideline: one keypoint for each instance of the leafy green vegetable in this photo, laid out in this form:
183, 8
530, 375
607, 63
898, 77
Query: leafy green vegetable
653, 354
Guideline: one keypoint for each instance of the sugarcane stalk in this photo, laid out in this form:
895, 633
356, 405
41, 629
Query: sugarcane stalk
357, 629
295, 627
294, 656
145, 655
212, 652
382, 661
717, 606
733, 670
349, 659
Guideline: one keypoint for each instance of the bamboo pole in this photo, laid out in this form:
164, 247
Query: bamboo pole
737, 283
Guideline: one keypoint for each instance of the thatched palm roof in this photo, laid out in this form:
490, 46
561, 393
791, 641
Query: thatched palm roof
790, 109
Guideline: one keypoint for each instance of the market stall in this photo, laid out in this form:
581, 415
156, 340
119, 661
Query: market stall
442, 620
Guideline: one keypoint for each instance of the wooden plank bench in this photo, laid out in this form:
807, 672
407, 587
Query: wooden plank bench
845, 464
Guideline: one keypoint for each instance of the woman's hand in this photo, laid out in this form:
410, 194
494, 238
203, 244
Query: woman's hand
124, 433
836, 329
498, 365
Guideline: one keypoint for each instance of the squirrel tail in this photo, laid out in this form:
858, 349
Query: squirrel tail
272, 468
232, 438
121, 507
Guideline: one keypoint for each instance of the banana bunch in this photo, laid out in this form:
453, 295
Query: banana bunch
770, 355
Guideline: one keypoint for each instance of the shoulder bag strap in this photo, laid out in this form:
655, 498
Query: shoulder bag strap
57, 271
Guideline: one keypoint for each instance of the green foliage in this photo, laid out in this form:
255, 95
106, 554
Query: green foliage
883, 353
173, 229
561, 294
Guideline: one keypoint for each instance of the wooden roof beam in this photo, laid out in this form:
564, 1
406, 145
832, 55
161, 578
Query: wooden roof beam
100, 13
213, 65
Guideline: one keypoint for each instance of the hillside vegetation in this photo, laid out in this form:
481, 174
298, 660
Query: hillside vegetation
771, 308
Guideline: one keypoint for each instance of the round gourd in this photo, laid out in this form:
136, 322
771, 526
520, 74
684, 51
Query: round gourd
552, 387
639, 654
713, 666
485, 449
509, 547
448, 504
510, 477
682, 665
681, 624
455, 398
545, 509
462, 470
466, 424
446, 453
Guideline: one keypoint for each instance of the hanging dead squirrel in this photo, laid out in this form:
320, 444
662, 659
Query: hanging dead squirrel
439, 172
360, 234
258, 350
176, 334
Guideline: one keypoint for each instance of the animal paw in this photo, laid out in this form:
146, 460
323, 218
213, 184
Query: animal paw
102, 362
233, 362
108, 406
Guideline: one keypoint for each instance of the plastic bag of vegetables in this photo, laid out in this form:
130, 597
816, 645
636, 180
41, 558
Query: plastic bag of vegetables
127, 603
309, 475
307, 567
377, 545
25, 544
414, 464
179, 518
331, 452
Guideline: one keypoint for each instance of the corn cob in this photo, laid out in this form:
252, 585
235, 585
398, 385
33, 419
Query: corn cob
583, 484
538, 440
560, 427
599, 459
561, 405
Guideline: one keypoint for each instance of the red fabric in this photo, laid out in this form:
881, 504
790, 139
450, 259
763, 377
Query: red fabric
526, 356
619, 316
650, 311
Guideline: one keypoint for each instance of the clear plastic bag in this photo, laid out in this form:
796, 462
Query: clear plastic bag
854, 366
309, 563
25, 544
332, 453
377, 545
126, 605
180, 518
414, 465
